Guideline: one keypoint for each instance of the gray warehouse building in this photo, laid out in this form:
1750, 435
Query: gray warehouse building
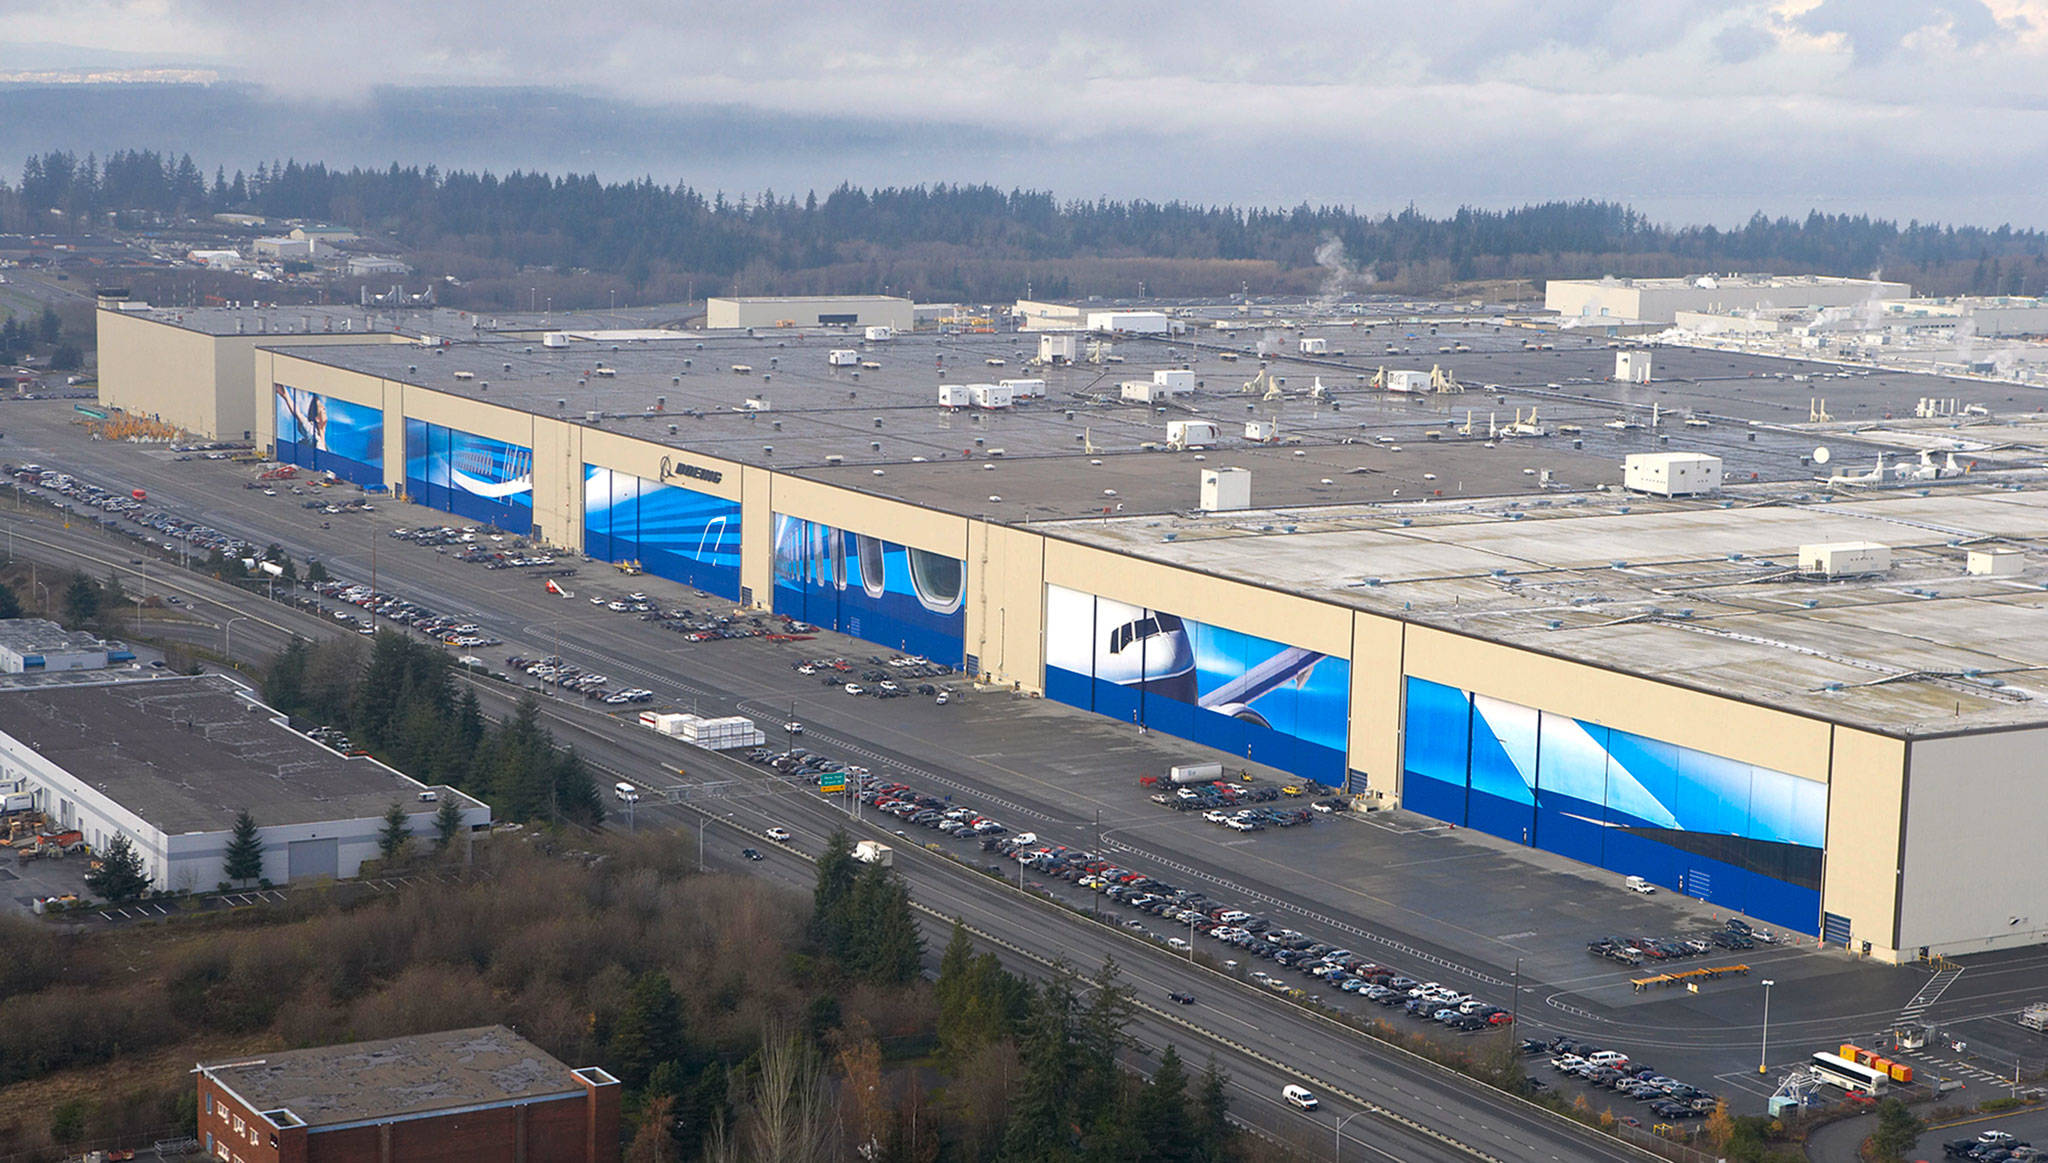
171, 761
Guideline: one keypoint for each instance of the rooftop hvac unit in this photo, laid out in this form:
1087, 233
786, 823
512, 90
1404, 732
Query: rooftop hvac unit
1843, 559
991, 395
1996, 562
555, 339
954, 396
1140, 392
1224, 489
1182, 433
1175, 381
1671, 474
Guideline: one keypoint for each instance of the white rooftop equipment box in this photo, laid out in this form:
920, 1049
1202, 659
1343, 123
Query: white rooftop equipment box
1140, 392
1671, 474
991, 395
842, 357
1845, 559
1176, 381
1997, 562
1407, 381
1226, 488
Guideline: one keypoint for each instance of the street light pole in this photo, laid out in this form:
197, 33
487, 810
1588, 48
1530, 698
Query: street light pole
1515, 1015
1337, 1155
228, 634
1763, 1053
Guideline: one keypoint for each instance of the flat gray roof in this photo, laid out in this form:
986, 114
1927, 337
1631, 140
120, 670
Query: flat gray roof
1700, 593
188, 753
1750, 410
288, 320
398, 1076
42, 636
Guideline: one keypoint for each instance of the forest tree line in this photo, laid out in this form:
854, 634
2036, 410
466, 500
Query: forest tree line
981, 242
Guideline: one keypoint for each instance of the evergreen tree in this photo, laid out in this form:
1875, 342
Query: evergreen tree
120, 876
1211, 1133
284, 686
396, 833
81, 600
1898, 1128
1041, 1111
447, 823
1161, 1115
837, 870
1100, 1037
244, 860
649, 1031
884, 945
10, 603
316, 572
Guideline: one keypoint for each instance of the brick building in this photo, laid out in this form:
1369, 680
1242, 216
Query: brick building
482, 1094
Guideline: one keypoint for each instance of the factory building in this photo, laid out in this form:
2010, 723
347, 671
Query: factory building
170, 762
37, 646
1660, 300
810, 311
481, 1093
1508, 641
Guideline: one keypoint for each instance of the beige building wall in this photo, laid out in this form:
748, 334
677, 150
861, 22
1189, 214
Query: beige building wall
1006, 603
1378, 702
1861, 878
757, 536
804, 311
1975, 815
153, 369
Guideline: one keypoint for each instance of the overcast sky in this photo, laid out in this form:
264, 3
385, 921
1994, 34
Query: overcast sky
1696, 110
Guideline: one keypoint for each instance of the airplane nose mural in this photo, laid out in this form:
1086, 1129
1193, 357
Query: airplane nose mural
1284, 706
859, 584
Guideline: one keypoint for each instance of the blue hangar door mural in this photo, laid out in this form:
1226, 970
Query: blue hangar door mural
329, 435
676, 533
1280, 705
1745, 837
469, 475
906, 599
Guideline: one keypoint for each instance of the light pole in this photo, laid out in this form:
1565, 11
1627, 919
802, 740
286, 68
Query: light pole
228, 634
1763, 1052
1338, 1154
1515, 1015
701, 821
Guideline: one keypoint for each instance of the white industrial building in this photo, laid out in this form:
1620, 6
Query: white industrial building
1985, 316
811, 311
283, 248
372, 264
171, 761
36, 646
1660, 300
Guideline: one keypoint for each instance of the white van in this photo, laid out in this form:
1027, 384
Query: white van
1614, 1058
627, 793
1299, 1096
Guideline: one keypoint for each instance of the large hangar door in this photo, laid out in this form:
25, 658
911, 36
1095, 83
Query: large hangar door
314, 858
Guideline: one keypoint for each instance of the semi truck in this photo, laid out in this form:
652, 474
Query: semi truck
1195, 772
874, 852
